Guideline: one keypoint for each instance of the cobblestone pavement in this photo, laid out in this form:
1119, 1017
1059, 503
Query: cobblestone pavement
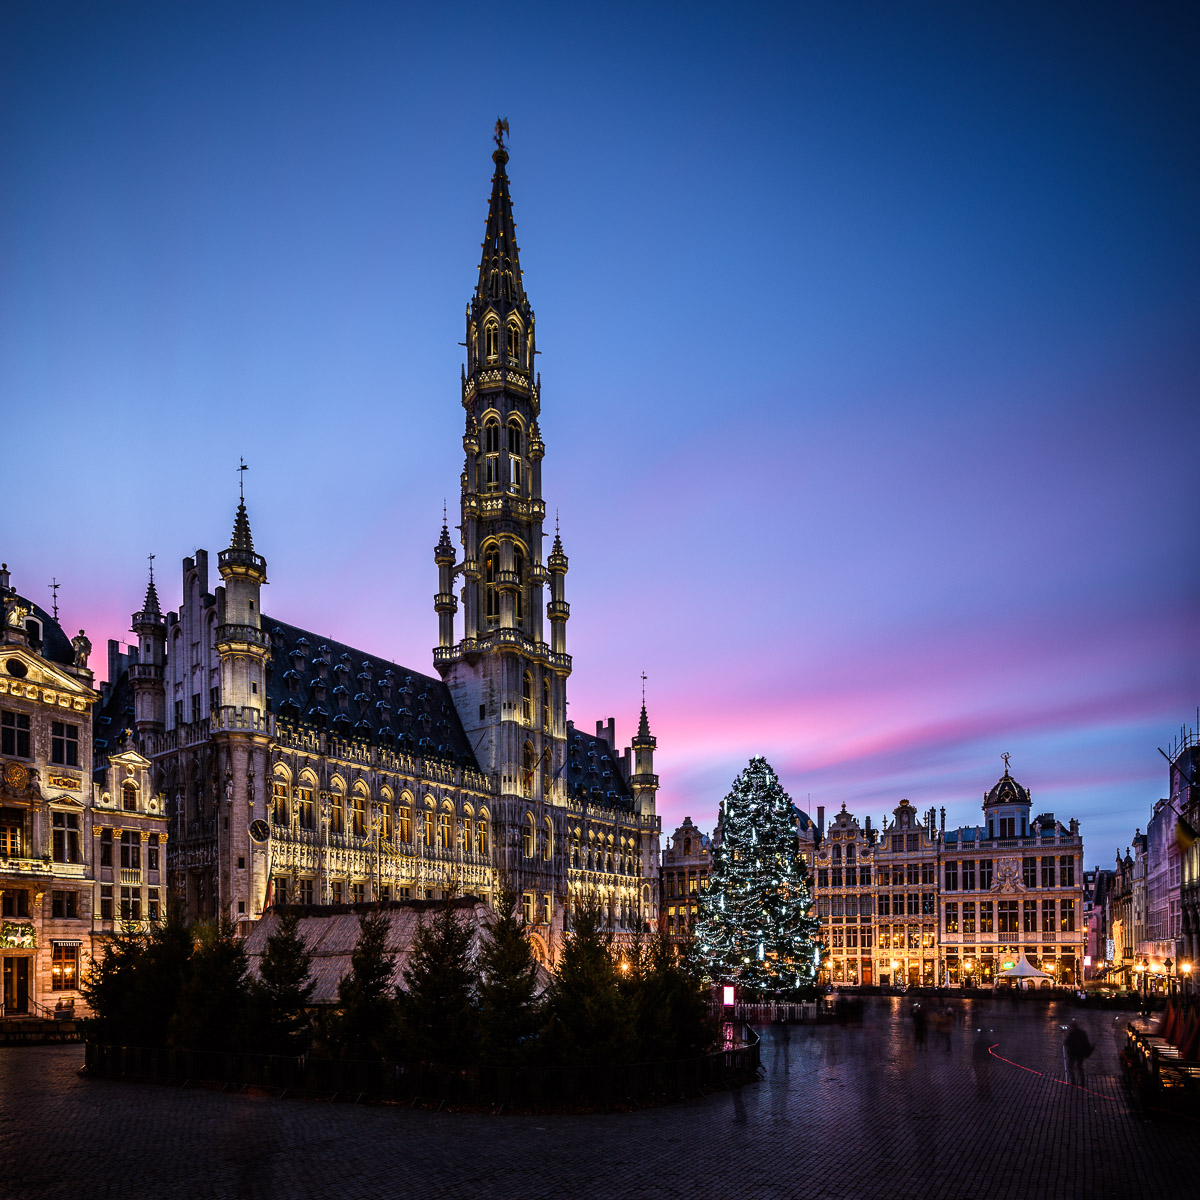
857, 1111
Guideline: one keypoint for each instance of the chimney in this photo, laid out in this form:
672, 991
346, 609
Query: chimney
821, 819
943, 818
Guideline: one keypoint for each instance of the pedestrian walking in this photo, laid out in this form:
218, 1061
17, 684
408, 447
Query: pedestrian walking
1078, 1048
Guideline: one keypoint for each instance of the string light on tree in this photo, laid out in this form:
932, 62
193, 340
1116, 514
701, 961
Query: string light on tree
755, 927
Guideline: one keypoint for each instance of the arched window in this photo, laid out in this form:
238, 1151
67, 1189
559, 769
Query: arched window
445, 829
548, 844
279, 801
519, 571
527, 697
468, 840
545, 704
491, 449
837, 853
358, 813
491, 341
491, 595
514, 345
481, 834
305, 807
515, 462
385, 821
129, 796
527, 767
575, 840
404, 819
850, 855
427, 835
337, 819
528, 836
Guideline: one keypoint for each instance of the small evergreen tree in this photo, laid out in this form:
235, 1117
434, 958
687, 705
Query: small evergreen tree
755, 926
672, 1014
281, 993
210, 1013
590, 1019
510, 1010
109, 986
366, 1021
438, 1014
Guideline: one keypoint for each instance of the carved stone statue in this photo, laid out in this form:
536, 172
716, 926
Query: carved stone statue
83, 647
15, 612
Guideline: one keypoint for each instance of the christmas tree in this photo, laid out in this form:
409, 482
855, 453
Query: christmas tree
754, 927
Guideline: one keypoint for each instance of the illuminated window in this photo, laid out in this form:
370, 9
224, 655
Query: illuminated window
545, 704
952, 917
64, 967
305, 806
358, 814
491, 569
404, 825
481, 834
279, 794
445, 834
428, 832
527, 767
548, 842
527, 697
491, 341
528, 836
514, 345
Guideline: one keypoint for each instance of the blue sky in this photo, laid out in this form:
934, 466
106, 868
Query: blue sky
869, 356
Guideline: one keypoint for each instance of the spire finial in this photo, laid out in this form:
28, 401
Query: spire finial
242, 469
150, 604
501, 131
643, 689
1006, 758
54, 585
556, 522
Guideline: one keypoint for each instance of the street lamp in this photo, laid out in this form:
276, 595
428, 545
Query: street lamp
1186, 969
968, 967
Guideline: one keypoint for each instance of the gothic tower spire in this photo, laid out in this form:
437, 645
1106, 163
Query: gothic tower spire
500, 281
508, 683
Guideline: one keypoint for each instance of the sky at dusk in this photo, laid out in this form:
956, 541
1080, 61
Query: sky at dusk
870, 343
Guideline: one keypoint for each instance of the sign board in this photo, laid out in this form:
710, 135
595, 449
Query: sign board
1087, 960
727, 995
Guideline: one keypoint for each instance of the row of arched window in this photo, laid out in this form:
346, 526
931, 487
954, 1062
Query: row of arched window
601, 853
514, 439
399, 821
517, 344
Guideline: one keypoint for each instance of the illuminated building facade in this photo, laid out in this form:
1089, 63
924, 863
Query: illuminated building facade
46, 704
686, 864
844, 877
1011, 886
297, 767
906, 899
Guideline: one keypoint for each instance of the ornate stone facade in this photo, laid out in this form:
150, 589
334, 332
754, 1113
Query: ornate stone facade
293, 764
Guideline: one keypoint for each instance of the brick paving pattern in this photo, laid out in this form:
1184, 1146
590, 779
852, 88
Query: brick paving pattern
856, 1111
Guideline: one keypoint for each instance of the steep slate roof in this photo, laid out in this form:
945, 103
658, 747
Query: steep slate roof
593, 772
109, 723
323, 684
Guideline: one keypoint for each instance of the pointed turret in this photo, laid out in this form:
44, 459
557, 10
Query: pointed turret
445, 603
146, 675
242, 537
644, 782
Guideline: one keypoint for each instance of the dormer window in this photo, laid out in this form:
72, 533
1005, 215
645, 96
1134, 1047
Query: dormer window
129, 797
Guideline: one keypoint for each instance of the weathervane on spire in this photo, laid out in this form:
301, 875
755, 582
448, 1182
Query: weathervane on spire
501, 131
151, 558
643, 689
242, 478
54, 585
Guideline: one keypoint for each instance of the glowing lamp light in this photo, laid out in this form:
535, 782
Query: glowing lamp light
1186, 968
727, 995
1140, 968
895, 965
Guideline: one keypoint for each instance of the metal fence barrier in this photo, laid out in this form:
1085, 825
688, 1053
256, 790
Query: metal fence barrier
569, 1086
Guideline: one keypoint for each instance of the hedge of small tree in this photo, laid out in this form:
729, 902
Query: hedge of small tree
190, 988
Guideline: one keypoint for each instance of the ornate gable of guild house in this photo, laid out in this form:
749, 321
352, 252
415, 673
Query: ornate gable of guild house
28, 676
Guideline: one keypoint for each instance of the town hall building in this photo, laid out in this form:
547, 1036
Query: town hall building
298, 768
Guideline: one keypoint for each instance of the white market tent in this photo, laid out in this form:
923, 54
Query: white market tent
1022, 969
